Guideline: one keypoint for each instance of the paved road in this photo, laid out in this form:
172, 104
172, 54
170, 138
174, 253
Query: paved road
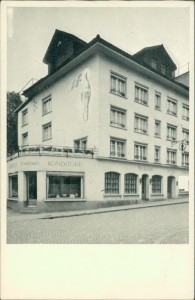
154, 225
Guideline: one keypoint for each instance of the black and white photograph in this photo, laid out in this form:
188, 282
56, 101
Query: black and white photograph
99, 141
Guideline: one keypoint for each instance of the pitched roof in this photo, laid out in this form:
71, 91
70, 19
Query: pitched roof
159, 48
110, 46
60, 36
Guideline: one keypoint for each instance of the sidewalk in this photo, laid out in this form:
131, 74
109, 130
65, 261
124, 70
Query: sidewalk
65, 214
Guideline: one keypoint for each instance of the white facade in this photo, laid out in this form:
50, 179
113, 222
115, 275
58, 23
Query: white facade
117, 134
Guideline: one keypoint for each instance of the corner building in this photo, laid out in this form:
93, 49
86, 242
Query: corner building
102, 128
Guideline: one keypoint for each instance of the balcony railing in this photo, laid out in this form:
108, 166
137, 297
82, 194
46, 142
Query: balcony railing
53, 150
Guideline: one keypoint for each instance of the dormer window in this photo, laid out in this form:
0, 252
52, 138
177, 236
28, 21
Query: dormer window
59, 43
163, 69
154, 64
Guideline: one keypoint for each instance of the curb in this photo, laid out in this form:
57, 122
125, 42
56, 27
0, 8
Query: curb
92, 212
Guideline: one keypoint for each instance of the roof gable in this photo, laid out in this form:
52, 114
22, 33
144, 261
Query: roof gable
59, 40
156, 51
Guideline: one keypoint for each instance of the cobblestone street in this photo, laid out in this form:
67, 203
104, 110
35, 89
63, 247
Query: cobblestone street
152, 225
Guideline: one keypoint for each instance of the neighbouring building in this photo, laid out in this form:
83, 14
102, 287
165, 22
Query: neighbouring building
102, 128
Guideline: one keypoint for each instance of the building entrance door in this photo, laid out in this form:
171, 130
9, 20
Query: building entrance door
170, 187
31, 180
145, 187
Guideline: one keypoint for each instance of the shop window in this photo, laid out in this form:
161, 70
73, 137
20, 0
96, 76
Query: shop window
141, 94
117, 117
156, 184
112, 183
64, 186
130, 183
13, 186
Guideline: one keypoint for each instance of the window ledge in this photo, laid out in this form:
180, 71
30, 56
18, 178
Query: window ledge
64, 200
141, 103
112, 196
125, 97
125, 195
13, 199
46, 113
141, 132
157, 109
171, 114
123, 128
47, 139
24, 124
157, 195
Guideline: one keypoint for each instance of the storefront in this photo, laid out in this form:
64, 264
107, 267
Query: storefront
65, 183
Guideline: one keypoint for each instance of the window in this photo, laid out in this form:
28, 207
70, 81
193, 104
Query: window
157, 101
185, 112
80, 144
156, 184
130, 183
157, 128
47, 132
24, 117
118, 85
154, 64
25, 139
163, 70
46, 105
157, 154
117, 147
141, 124
140, 151
141, 94
112, 183
171, 132
64, 186
172, 107
13, 186
185, 159
171, 156
117, 117
185, 134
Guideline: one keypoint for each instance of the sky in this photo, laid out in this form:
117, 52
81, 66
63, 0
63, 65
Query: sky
30, 30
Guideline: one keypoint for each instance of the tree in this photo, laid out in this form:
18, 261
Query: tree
13, 101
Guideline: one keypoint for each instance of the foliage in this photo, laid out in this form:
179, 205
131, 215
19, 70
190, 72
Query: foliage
13, 101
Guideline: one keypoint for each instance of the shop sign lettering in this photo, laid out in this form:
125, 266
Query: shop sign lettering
30, 163
64, 163
145, 168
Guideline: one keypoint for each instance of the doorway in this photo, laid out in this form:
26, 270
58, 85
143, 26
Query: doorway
145, 187
170, 187
31, 184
